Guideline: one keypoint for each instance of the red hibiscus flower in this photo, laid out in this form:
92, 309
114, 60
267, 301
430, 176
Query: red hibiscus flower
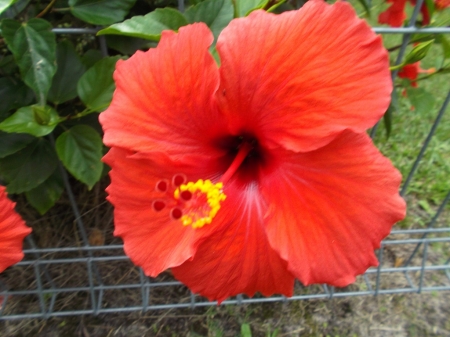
412, 71
12, 232
395, 15
246, 176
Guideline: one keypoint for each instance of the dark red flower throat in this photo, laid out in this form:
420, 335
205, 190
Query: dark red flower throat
244, 159
246, 151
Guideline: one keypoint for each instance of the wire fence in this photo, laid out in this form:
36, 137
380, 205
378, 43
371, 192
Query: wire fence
79, 279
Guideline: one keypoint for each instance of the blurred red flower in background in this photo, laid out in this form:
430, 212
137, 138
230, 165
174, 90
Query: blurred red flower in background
395, 15
412, 71
245, 176
12, 232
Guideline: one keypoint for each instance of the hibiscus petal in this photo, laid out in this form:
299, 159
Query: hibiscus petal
395, 15
330, 209
237, 258
425, 15
12, 232
411, 72
318, 70
164, 97
152, 239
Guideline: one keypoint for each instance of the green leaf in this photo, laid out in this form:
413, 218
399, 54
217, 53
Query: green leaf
4, 4
366, 6
421, 37
245, 330
149, 26
445, 44
44, 196
418, 52
127, 45
29, 167
244, 7
80, 150
70, 69
420, 99
101, 12
217, 14
34, 120
12, 142
13, 94
96, 86
91, 57
278, 5
33, 46
14, 9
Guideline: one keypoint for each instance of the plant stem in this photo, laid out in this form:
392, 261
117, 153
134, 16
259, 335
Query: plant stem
46, 9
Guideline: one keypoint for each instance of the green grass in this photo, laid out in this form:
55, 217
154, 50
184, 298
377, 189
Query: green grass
409, 130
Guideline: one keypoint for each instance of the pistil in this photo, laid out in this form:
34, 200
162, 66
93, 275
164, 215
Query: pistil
244, 150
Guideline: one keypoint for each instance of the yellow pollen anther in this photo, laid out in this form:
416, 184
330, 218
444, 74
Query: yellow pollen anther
203, 204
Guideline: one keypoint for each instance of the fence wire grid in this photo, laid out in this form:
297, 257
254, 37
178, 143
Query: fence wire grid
86, 278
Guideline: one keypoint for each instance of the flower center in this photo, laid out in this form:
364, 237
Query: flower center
201, 200
196, 203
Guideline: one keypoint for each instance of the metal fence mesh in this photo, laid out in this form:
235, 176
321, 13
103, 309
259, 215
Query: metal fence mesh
83, 278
